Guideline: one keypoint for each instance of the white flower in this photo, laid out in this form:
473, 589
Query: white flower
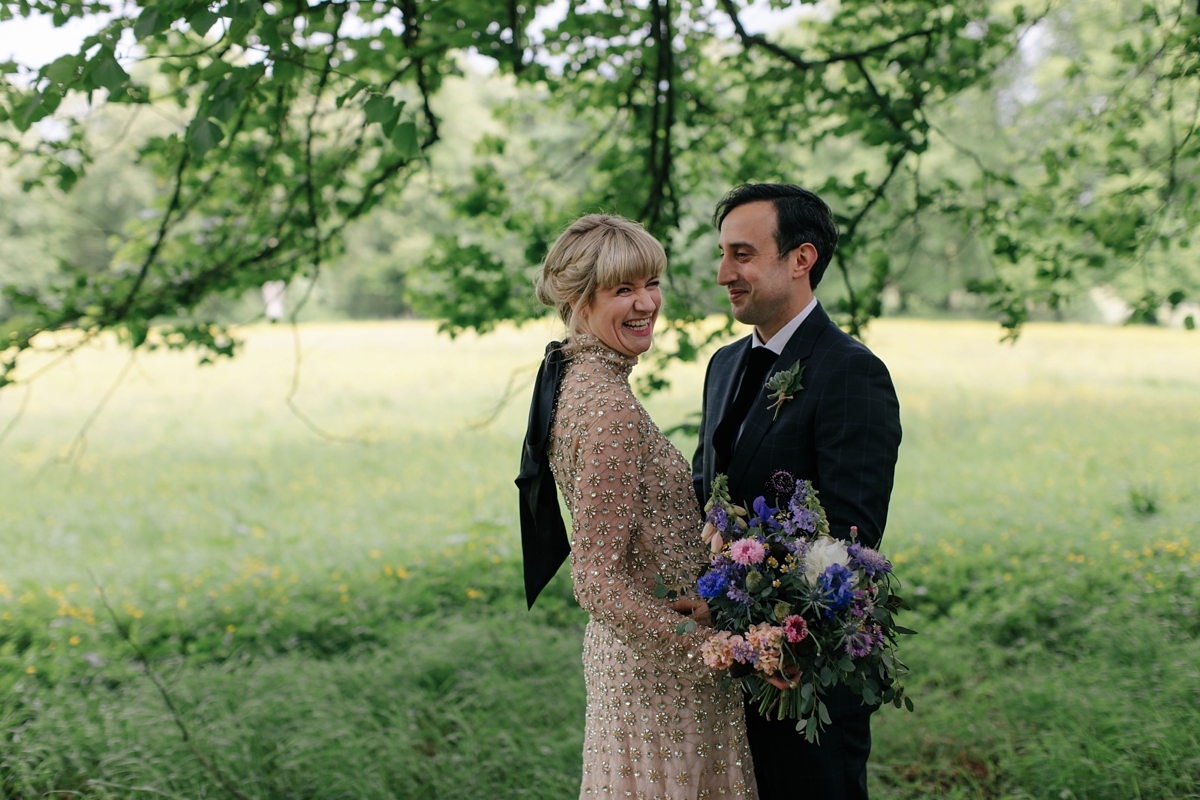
822, 554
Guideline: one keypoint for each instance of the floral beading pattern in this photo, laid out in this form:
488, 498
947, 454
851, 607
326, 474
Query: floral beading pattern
659, 726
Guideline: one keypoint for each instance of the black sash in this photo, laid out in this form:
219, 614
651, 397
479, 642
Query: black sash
544, 543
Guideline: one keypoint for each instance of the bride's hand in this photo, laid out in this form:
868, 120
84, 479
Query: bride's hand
696, 609
782, 683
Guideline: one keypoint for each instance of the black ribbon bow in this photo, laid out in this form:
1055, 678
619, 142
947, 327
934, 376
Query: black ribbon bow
544, 544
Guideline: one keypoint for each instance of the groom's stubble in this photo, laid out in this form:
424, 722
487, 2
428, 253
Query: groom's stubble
762, 289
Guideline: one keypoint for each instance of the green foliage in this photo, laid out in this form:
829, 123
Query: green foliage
933, 134
300, 121
400, 660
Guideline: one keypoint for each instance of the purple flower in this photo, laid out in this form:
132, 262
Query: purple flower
763, 515
711, 584
863, 640
719, 519
837, 585
798, 548
869, 561
738, 596
781, 482
743, 652
802, 520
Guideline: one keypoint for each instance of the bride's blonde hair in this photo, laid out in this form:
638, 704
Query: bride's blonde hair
596, 252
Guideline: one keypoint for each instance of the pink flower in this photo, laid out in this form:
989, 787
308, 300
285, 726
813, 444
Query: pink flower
766, 640
796, 628
717, 652
747, 552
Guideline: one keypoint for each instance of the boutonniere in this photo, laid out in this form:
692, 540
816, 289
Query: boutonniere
784, 385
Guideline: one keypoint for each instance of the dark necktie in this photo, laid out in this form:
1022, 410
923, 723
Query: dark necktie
759, 363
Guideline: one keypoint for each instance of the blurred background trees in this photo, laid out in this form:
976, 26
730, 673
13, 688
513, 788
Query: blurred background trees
982, 157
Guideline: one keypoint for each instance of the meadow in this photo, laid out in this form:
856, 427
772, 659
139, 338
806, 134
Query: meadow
339, 612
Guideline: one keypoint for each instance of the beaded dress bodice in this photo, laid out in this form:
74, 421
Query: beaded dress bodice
658, 723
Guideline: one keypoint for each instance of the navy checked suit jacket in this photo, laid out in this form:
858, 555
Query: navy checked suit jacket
842, 431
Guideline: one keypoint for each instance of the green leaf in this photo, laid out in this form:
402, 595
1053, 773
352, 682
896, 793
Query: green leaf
846, 665
203, 135
63, 70
150, 22
660, 591
268, 32
202, 21
351, 93
823, 712
908, 703
106, 72
1189, 322
380, 108
225, 101
907, 631
33, 112
246, 9
405, 140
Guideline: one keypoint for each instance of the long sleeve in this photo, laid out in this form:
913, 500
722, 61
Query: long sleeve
659, 723
857, 435
609, 457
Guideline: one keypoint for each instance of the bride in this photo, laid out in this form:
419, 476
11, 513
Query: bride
658, 723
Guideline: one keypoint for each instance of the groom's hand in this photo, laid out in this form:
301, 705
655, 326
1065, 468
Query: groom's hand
696, 609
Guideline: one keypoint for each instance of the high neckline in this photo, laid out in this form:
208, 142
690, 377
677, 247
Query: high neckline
587, 345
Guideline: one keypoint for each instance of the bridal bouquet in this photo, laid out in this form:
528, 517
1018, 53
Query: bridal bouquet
789, 600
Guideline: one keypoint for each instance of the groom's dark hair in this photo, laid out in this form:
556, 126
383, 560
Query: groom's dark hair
800, 216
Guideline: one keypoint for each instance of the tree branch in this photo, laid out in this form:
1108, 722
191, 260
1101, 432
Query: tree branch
125, 634
749, 39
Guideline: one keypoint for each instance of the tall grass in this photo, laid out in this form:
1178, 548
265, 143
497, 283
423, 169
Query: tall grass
344, 618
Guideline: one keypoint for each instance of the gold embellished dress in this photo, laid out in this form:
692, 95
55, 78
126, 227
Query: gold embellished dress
659, 726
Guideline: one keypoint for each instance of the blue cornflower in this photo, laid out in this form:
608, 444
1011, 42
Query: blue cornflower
837, 585
711, 584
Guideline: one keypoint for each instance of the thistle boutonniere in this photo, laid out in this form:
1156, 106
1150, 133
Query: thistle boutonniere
784, 385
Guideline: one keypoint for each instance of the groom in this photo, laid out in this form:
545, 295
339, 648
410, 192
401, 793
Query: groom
841, 431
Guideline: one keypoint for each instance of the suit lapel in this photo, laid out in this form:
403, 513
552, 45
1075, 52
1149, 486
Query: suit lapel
760, 418
726, 390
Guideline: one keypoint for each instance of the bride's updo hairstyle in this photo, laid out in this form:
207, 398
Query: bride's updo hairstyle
596, 252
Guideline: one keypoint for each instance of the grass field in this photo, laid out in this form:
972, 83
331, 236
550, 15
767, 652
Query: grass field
342, 617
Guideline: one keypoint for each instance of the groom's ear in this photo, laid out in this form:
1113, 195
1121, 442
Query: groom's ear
803, 259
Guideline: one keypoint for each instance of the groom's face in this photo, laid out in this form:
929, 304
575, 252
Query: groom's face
757, 277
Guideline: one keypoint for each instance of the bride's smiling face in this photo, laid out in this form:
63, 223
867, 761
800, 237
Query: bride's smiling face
623, 316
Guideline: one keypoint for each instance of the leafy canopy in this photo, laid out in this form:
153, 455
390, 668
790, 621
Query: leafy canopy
299, 119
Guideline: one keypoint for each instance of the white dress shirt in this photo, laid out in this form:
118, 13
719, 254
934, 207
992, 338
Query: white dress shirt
780, 340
